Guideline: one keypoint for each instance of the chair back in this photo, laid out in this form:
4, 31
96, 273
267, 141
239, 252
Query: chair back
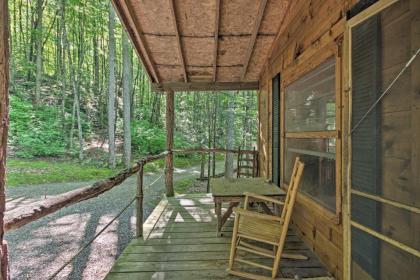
247, 164
291, 196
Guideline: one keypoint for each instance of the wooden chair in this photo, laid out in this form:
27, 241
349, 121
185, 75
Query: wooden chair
263, 228
247, 164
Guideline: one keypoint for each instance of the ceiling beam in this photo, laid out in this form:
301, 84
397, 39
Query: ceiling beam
205, 86
178, 38
216, 39
253, 39
125, 13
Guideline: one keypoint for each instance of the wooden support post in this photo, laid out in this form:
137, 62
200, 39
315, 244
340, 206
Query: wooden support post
203, 163
139, 203
170, 116
208, 172
238, 170
4, 124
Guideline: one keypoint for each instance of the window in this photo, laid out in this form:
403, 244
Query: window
318, 180
310, 117
310, 101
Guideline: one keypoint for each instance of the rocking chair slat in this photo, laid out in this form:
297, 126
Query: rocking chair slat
254, 264
258, 252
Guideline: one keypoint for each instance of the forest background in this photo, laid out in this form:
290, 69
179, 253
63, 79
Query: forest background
81, 104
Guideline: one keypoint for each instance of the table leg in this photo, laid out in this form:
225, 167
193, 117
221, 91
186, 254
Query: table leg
265, 208
228, 212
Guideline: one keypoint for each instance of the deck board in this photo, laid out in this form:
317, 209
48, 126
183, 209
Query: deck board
181, 243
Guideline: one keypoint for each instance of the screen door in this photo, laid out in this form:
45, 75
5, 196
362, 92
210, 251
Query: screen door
385, 141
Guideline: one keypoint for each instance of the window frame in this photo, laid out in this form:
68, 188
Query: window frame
335, 216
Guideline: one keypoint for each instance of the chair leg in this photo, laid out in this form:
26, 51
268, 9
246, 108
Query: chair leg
234, 242
277, 261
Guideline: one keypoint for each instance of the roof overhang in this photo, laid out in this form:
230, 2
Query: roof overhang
206, 45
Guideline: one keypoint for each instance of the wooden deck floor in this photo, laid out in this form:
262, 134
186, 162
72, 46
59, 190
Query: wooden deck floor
180, 243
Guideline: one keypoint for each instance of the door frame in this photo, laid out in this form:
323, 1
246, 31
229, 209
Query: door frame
277, 76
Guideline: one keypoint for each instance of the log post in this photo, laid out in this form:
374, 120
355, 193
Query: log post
4, 125
169, 169
203, 163
208, 173
139, 203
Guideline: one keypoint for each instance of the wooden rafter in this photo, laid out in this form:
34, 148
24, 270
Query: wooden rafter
253, 37
178, 38
216, 39
125, 13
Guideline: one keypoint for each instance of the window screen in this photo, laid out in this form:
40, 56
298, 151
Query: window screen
385, 164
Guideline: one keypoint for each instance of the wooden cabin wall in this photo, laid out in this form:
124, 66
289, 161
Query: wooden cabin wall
312, 31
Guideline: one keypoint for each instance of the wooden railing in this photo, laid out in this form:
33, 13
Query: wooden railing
21, 216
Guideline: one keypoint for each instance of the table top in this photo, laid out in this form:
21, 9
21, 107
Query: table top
222, 187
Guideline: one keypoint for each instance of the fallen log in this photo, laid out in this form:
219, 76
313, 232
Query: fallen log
21, 216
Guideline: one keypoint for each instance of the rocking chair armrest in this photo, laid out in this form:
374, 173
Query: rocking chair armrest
240, 211
263, 197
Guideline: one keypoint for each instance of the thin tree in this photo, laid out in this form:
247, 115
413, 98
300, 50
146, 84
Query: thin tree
38, 36
127, 90
111, 88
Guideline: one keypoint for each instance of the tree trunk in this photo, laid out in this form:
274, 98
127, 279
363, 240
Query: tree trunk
127, 89
38, 51
216, 105
4, 125
111, 89
62, 63
75, 89
79, 126
73, 118
230, 134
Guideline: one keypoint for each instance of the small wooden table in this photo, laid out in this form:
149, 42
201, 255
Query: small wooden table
232, 191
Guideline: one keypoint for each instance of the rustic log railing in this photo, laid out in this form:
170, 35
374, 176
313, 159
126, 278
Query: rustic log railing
21, 216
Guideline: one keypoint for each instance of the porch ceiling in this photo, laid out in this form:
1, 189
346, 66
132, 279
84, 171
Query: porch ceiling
202, 45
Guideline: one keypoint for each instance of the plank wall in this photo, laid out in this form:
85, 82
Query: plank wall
311, 32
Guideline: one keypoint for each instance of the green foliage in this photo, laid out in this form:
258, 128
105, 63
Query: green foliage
183, 185
36, 132
148, 138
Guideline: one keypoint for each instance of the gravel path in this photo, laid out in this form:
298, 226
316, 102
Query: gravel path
38, 249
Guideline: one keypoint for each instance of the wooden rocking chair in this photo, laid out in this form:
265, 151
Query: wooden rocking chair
263, 228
